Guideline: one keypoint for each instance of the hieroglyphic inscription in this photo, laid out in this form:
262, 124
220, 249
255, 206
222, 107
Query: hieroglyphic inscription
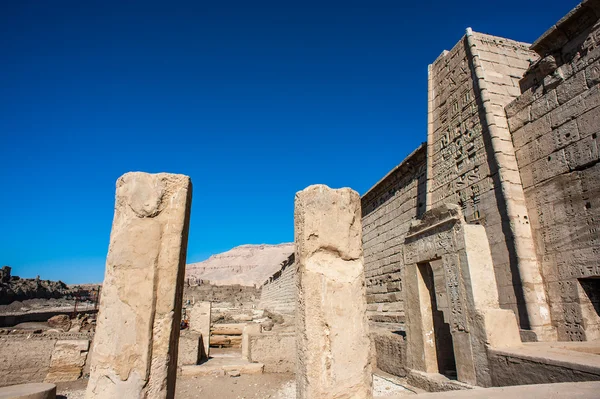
451, 272
459, 162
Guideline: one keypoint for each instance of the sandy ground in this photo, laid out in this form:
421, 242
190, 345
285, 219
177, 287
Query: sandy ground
257, 386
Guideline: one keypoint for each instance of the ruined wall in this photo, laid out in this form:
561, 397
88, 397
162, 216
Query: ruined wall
278, 293
276, 350
234, 295
387, 210
26, 357
464, 167
555, 125
390, 351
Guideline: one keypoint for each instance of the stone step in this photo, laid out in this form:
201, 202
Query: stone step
223, 366
29, 391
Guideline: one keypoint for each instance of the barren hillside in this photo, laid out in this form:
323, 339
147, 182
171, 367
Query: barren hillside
244, 265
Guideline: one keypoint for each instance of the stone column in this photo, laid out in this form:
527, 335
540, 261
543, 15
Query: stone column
249, 329
200, 315
333, 346
136, 341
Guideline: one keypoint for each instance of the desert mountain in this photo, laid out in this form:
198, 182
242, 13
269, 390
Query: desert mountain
245, 265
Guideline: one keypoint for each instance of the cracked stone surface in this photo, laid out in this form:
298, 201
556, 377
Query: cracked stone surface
135, 346
333, 346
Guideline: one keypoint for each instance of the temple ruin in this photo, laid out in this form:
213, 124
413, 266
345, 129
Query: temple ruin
473, 263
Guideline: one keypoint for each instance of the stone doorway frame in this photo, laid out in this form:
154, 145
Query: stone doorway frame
465, 286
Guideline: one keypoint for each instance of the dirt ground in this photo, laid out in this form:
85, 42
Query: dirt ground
255, 386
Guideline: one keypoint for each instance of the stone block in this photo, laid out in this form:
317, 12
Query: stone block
332, 362
589, 123
276, 350
29, 391
68, 359
581, 153
249, 329
501, 328
199, 321
571, 87
191, 348
520, 119
135, 345
390, 352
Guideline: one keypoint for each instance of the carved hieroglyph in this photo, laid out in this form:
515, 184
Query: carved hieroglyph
333, 346
135, 346
464, 287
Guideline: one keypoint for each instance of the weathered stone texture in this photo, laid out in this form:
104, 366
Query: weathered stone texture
278, 293
510, 369
472, 162
24, 359
135, 346
276, 350
226, 295
191, 348
390, 351
68, 360
333, 346
387, 210
449, 270
199, 322
557, 150
29, 391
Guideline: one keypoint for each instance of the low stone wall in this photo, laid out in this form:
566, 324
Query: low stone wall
390, 351
234, 295
26, 358
514, 369
10, 320
276, 350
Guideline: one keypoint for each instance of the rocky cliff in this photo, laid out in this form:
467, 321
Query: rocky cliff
245, 265
14, 288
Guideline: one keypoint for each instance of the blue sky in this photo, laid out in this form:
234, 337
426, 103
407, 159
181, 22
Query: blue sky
253, 100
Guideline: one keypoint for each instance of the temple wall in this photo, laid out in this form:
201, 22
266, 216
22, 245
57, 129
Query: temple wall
278, 294
231, 295
387, 210
468, 165
555, 125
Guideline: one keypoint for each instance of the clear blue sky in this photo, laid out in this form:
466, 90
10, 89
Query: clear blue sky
254, 100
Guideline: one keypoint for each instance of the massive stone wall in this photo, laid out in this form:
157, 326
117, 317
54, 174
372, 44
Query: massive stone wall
471, 159
278, 293
555, 125
387, 210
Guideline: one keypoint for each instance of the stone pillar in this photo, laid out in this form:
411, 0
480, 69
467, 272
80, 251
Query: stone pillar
200, 322
136, 341
333, 345
249, 329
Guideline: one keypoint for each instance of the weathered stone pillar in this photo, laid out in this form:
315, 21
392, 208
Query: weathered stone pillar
136, 341
333, 346
200, 315
249, 329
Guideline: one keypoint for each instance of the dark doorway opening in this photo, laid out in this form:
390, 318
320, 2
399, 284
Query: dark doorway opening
441, 330
591, 287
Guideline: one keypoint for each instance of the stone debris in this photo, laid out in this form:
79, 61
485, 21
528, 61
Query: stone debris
61, 321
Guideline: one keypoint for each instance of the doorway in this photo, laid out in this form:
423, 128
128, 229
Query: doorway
442, 336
